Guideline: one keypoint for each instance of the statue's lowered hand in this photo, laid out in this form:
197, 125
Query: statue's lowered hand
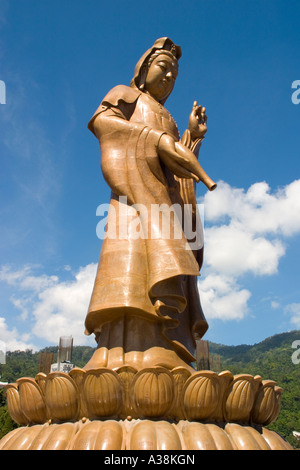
181, 161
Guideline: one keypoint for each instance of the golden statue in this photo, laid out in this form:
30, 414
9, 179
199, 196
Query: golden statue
145, 308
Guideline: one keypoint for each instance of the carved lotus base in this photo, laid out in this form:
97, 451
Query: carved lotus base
153, 408
142, 435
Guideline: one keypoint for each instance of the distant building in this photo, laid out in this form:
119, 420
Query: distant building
62, 367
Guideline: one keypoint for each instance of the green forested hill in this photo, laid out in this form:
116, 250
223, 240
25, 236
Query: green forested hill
271, 359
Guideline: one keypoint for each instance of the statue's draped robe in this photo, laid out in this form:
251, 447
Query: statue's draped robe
152, 276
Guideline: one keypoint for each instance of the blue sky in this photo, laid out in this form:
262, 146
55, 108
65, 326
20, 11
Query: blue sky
58, 60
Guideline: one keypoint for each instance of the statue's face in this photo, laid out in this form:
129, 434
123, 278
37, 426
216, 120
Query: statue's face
161, 76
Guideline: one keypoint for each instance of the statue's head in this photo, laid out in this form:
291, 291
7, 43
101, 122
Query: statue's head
157, 69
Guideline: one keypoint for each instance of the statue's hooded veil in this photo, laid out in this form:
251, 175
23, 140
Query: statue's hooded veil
165, 44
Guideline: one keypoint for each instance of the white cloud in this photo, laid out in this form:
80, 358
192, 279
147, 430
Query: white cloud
61, 308
230, 249
257, 210
294, 311
275, 305
12, 339
55, 308
222, 297
245, 233
25, 280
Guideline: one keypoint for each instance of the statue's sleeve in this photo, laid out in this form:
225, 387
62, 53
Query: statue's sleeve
118, 135
122, 99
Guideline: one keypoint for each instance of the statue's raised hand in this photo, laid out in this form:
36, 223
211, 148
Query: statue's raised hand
197, 122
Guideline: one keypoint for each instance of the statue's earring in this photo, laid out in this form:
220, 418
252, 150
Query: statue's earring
143, 76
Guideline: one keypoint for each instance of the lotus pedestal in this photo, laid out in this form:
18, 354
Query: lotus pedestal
150, 409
